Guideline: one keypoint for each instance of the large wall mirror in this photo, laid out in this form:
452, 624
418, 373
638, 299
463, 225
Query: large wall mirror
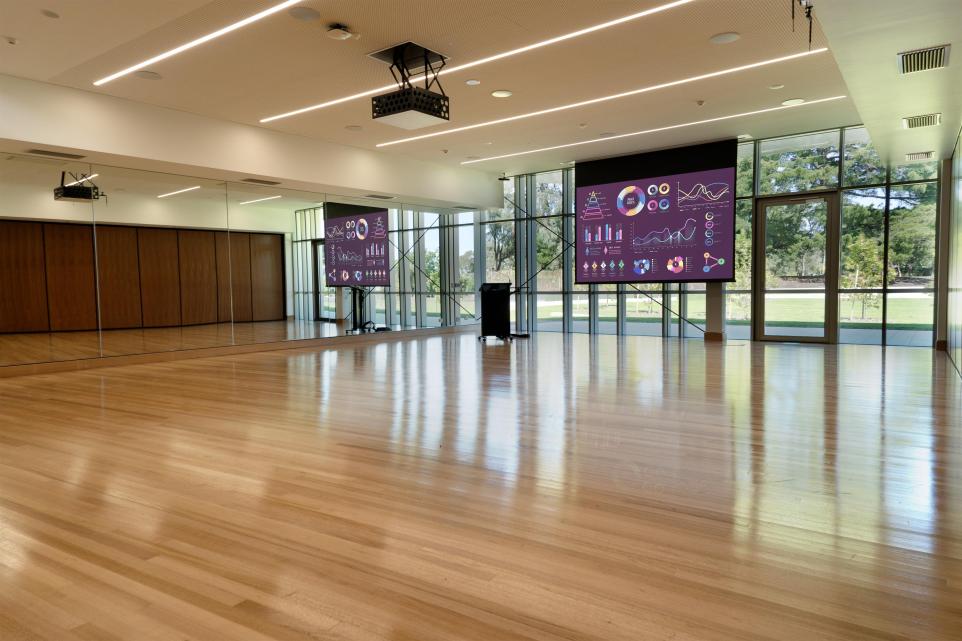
161, 262
48, 300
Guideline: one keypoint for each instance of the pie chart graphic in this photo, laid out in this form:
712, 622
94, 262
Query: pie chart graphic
361, 229
676, 265
642, 266
631, 200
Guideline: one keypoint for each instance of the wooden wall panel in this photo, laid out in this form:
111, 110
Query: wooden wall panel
159, 276
240, 266
198, 277
222, 250
23, 281
118, 268
71, 290
267, 277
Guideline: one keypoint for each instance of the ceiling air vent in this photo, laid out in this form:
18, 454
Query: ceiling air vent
464, 208
925, 120
258, 181
924, 59
55, 154
379, 197
919, 155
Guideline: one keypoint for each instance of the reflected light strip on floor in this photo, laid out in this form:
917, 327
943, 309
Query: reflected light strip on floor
655, 130
481, 61
594, 101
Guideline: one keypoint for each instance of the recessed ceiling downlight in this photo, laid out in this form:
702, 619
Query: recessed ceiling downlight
354, 127
724, 38
793, 102
502, 93
144, 74
498, 56
50, 13
473, 82
617, 96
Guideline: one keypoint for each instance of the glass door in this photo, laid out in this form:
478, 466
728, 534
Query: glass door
797, 269
324, 296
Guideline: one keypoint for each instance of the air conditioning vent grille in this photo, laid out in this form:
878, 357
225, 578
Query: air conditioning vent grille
55, 154
919, 155
379, 197
258, 181
924, 120
924, 59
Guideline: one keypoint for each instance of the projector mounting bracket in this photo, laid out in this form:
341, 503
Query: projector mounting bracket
409, 60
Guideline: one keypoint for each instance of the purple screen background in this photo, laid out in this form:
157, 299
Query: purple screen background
356, 251
626, 234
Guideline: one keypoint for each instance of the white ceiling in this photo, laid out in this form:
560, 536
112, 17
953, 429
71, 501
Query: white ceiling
280, 64
866, 36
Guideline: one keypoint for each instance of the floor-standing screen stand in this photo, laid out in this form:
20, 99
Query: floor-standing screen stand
357, 310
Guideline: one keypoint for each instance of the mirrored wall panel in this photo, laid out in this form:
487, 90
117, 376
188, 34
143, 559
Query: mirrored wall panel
163, 262
48, 298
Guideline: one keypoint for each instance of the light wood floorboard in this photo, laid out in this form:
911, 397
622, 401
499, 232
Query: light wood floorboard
558, 489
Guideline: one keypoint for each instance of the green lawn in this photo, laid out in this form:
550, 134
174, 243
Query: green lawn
904, 313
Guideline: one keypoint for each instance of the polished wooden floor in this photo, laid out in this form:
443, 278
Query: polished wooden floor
44, 347
557, 489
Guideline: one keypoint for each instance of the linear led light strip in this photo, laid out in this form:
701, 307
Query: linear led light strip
258, 200
655, 130
199, 41
497, 56
77, 182
593, 101
179, 191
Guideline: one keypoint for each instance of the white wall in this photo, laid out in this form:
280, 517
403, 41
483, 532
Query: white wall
26, 191
129, 134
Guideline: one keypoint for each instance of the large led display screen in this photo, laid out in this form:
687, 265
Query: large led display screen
355, 246
673, 227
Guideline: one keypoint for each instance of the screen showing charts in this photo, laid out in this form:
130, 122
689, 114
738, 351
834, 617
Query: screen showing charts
673, 228
356, 250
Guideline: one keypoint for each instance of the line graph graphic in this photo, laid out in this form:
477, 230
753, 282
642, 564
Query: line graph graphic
668, 237
335, 231
348, 256
702, 194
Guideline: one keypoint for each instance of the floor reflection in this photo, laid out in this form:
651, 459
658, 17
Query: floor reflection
606, 487
19, 349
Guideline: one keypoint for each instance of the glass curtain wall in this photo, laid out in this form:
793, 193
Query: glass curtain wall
886, 230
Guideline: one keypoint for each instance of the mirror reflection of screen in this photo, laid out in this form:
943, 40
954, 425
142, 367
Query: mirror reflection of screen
356, 249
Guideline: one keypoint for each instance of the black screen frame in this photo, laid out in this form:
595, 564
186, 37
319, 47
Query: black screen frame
721, 154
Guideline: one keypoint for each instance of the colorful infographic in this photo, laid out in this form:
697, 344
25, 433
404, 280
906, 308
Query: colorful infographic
356, 251
668, 228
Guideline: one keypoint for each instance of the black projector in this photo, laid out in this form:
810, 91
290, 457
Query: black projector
411, 108
80, 193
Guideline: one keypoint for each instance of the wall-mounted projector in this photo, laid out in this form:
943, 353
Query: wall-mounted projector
412, 107
80, 190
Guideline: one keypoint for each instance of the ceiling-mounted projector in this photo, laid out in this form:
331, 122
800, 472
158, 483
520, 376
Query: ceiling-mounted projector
80, 190
411, 106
